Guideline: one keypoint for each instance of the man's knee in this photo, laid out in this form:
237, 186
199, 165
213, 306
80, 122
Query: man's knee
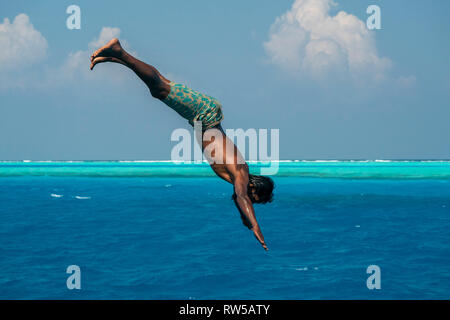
154, 92
159, 90
157, 93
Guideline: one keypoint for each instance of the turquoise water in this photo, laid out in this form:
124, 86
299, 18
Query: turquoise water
318, 169
158, 230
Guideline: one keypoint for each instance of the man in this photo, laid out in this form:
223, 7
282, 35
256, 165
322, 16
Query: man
226, 161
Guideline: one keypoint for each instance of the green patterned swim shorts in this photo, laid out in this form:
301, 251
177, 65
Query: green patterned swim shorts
194, 106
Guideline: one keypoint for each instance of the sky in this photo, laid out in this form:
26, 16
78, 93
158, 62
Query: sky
310, 68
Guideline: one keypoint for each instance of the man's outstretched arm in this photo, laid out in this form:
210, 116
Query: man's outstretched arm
245, 207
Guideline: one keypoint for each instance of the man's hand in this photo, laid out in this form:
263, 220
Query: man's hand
258, 235
245, 206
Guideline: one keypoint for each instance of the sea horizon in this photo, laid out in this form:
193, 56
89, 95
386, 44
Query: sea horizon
341, 169
251, 161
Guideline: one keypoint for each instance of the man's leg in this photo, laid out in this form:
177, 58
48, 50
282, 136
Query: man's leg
113, 52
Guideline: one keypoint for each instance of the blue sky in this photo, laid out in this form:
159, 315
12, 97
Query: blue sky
334, 89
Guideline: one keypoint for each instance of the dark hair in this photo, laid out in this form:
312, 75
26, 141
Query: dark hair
263, 187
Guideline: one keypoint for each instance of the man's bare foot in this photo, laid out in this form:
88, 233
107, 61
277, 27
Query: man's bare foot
112, 49
105, 59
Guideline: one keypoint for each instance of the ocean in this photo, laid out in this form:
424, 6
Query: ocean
162, 230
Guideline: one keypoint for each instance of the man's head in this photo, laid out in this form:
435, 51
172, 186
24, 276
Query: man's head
260, 189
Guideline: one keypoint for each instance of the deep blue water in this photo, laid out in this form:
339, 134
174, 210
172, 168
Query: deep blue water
182, 238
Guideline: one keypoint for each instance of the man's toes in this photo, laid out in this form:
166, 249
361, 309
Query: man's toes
95, 61
100, 60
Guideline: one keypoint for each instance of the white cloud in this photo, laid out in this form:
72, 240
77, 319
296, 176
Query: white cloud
76, 65
306, 39
21, 44
106, 34
78, 62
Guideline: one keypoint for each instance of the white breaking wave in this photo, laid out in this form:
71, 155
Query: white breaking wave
144, 161
205, 161
82, 198
54, 195
302, 269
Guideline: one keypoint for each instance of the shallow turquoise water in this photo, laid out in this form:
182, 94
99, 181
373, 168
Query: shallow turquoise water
170, 231
379, 169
